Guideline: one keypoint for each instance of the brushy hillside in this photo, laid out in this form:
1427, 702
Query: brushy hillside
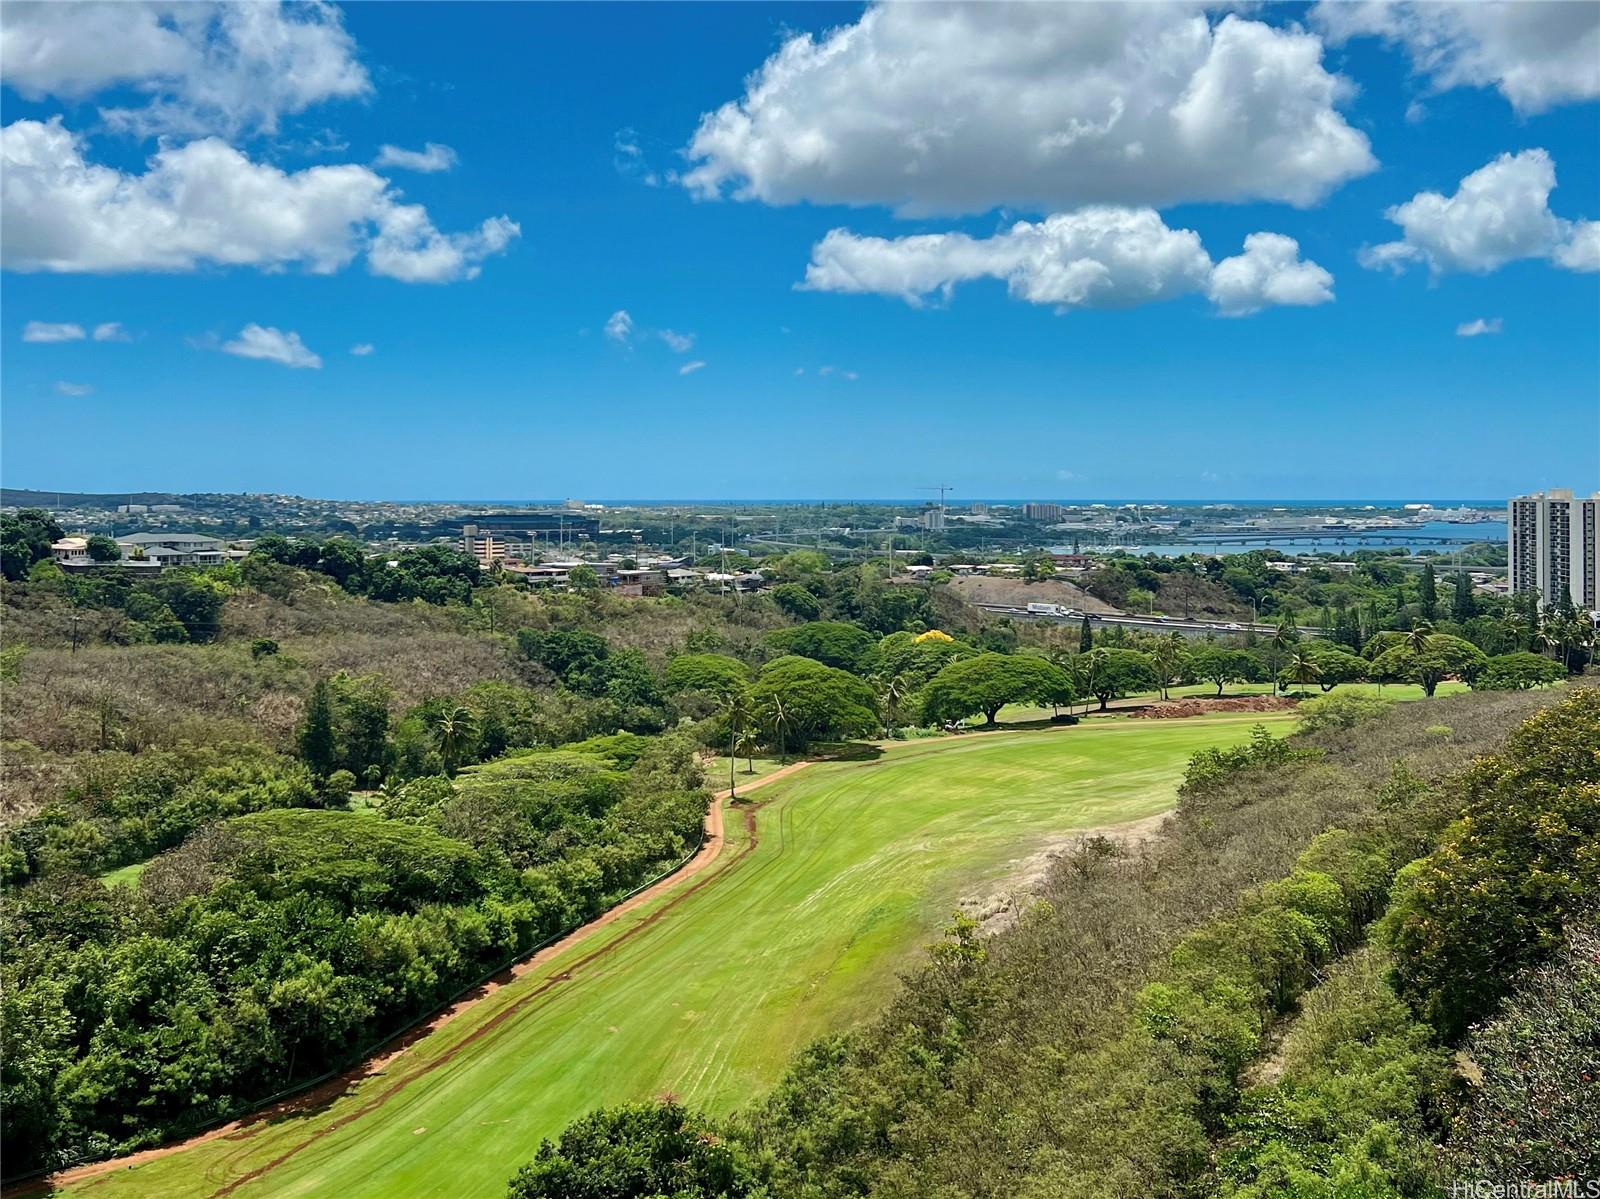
1118, 1040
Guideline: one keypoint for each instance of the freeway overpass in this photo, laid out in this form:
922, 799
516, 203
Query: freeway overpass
1149, 624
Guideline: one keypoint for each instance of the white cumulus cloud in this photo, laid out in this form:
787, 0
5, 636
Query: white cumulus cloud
111, 331
1097, 257
1269, 273
50, 331
1538, 53
272, 345
361, 349
1479, 327
1500, 213
207, 203
678, 343
222, 68
430, 159
74, 390
949, 108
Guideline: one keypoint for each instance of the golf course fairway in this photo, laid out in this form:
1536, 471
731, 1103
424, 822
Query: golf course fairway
707, 990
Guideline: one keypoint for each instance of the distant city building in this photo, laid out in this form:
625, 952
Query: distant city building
551, 526
1552, 546
933, 519
979, 509
1033, 511
485, 547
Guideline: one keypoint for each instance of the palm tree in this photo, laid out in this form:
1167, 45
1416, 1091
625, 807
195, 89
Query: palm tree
1303, 669
1283, 636
737, 712
453, 730
1514, 628
1576, 633
892, 691
778, 723
1168, 656
746, 746
1417, 638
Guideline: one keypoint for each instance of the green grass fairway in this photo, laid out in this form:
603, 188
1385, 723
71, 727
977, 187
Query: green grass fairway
709, 989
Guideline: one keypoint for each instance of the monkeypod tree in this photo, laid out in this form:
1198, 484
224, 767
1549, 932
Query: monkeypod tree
989, 682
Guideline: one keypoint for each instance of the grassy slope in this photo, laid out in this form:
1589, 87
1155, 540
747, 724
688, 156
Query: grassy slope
858, 864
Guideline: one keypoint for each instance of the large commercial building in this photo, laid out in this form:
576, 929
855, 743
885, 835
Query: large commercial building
1553, 544
544, 526
1039, 511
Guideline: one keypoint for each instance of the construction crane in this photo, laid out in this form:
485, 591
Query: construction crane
941, 490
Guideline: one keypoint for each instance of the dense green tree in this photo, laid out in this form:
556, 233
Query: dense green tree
803, 701
571, 656
101, 548
1509, 875
989, 682
639, 1151
25, 538
1518, 672
915, 658
716, 674
1334, 664
1221, 665
1440, 657
1464, 606
1429, 593
1112, 673
1085, 635
831, 642
316, 738
797, 601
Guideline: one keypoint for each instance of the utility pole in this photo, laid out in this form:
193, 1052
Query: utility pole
74, 632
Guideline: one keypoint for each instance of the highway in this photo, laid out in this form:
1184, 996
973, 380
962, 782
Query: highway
1149, 624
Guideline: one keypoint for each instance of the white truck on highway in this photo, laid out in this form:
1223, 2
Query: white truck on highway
1050, 610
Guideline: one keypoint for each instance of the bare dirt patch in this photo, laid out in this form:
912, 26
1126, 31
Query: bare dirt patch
1000, 906
1175, 709
981, 589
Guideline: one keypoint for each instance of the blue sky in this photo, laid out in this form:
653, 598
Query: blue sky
977, 359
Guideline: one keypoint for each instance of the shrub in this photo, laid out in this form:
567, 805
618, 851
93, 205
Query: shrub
1340, 711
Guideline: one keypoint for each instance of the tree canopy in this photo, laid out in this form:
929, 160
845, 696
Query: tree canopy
989, 682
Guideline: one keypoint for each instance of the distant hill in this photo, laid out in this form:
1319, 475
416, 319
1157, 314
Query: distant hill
23, 497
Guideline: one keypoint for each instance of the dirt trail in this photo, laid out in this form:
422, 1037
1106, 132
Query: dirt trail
378, 1064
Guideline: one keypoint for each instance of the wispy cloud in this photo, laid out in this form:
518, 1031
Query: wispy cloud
1477, 328
619, 328
627, 155
362, 349
272, 345
47, 332
74, 390
678, 343
689, 368
431, 159
111, 331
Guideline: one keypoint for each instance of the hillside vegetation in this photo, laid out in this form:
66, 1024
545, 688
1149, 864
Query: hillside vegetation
1120, 1039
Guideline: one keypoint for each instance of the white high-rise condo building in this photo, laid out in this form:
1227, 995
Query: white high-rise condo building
1553, 541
